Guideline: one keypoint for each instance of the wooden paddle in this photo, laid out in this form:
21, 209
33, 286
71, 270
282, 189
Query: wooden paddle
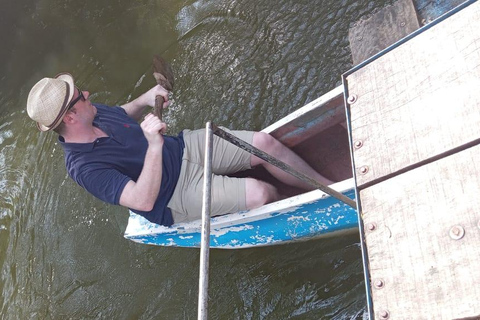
162, 72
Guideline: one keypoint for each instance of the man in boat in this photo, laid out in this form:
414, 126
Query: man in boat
160, 177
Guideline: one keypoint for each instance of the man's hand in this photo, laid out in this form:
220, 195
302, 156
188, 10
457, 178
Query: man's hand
158, 90
135, 108
153, 128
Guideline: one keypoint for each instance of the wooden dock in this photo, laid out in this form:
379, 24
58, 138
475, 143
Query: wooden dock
414, 128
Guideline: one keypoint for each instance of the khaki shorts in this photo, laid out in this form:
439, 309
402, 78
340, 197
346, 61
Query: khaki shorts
228, 194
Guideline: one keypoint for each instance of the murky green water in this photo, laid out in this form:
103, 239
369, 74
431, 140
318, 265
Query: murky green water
241, 63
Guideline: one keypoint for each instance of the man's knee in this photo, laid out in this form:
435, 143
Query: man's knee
263, 141
259, 193
267, 144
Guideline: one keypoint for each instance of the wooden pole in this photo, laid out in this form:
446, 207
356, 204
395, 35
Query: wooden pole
282, 165
205, 244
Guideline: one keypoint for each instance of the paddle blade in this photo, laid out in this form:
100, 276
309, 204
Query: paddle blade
163, 72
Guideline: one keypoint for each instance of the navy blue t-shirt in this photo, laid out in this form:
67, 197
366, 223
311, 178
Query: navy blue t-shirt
104, 166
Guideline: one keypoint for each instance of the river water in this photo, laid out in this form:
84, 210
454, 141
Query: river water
240, 63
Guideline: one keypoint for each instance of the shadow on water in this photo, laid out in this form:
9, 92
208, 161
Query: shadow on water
243, 64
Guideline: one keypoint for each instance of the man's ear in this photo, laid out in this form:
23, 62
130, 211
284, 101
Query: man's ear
68, 117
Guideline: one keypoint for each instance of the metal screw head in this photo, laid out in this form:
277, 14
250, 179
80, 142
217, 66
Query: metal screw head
352, 99
402, 24
371, 226
457, 232
363, 170
379, 283
358, 144
383, 314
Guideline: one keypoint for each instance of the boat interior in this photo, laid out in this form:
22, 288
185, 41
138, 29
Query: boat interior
318, 133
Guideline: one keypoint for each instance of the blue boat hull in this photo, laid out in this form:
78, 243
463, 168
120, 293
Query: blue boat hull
319, 218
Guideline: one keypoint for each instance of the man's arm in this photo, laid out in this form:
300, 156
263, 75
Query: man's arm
135, 108
142, 195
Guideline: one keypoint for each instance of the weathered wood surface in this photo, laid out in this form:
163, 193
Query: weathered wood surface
418, 103
422, 98
418, 271
378, 31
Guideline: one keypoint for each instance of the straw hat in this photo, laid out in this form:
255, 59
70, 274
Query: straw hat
48, 100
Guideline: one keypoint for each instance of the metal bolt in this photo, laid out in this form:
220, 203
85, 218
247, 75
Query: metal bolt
402, 24
363, 170
379, 284
358, 144
352, 99
383, 314
359, 38
457, 232
371, 226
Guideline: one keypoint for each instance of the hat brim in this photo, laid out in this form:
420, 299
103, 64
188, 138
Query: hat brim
68, 78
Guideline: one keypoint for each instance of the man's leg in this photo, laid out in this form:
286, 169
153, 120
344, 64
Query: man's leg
258, 193
229, 195
230, 159
273, 147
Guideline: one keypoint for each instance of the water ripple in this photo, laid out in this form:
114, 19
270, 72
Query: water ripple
240, 63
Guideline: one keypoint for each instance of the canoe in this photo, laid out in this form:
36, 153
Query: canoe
317, 133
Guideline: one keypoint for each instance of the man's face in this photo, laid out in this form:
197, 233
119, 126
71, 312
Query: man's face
81, 106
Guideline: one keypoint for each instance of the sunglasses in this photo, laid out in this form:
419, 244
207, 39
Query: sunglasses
80, 96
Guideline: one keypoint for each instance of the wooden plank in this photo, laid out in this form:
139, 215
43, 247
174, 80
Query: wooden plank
373, 34
419, 100
418, 271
